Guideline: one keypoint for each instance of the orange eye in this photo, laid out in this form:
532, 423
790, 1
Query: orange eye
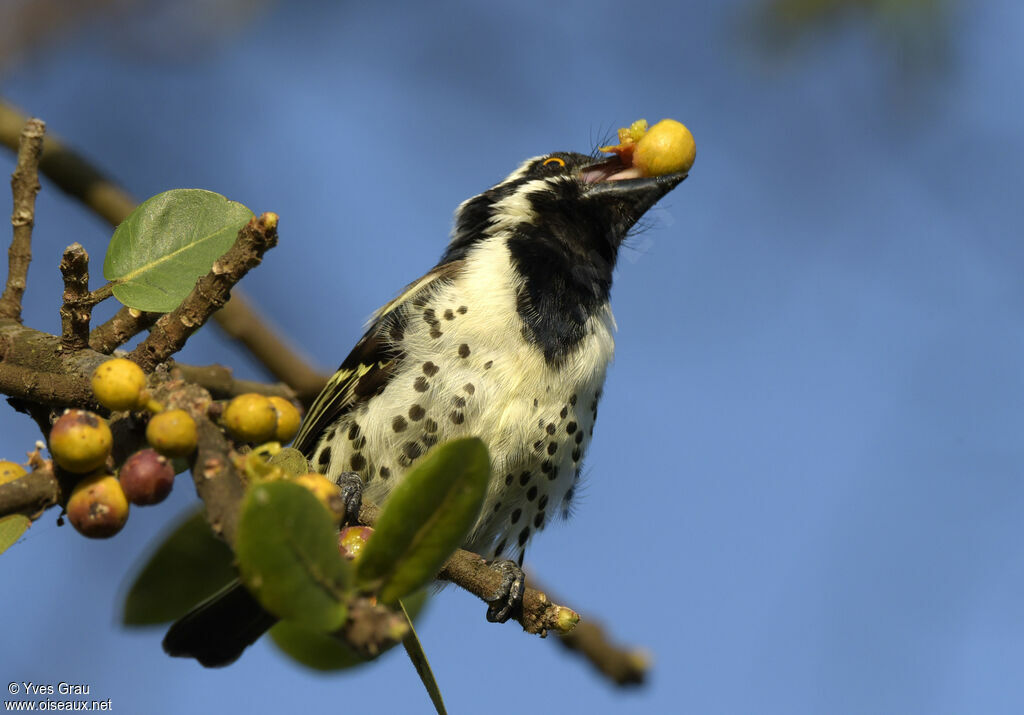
554, 160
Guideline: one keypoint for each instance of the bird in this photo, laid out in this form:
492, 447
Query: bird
507, 338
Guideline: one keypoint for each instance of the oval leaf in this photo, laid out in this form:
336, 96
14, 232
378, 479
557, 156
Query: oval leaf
188, 566
157, 253
426, 517
11, 529
288, 556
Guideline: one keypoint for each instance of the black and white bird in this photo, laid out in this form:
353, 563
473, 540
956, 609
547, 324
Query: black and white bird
507, 338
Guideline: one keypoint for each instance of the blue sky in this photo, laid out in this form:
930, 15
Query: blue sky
805, 487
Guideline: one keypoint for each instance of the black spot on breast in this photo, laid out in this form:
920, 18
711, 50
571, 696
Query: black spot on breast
524, 536
538, 521
459, 401
516, 513
421, 384
572, 400
430, 317
576, 455
509, 478
552, 447
488, 364
570, 428
497, 507
469, 388
463, 309
399, 424
429, 439
430, 369
543, 501
396, 333
435, 333
385, 472
330, 436
551, 428
358, 461
464, 351
535, 403
499, 548
353, 431
538, 445
457, 417
531, 494
579, 437
412, 450
524, 478
564, 412
430, 426
545, 466
449, 315
324, 458
416, 413
359, 443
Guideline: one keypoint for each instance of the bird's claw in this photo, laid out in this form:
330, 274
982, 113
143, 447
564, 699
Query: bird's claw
351, 485
507, 600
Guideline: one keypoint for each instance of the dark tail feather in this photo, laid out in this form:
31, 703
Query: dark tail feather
217, 630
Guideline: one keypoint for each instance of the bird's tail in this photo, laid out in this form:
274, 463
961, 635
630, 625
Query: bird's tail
217, 630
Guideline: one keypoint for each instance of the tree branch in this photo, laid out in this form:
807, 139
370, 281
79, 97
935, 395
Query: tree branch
125, 324
24, 187
77, 307
211, 292
221, 382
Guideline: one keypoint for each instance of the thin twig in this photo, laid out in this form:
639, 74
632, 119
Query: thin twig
125, 324
77, 307
211, 292
240, 321
221, 382
24, 187
623, 666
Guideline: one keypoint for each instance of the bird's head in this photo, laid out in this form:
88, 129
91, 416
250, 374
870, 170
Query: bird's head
551, 232
562, 204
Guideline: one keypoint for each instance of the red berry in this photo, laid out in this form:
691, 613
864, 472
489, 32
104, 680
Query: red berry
146, 477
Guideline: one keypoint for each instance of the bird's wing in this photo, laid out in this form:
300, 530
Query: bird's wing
374, 360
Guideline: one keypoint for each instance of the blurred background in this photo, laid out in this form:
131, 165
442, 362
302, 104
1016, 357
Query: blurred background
805, 490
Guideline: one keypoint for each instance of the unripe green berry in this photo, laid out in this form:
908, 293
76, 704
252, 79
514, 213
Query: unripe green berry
98, 507
119, 384
251, 418
146, 477
172, 433
80, 441
288, 419
9, 471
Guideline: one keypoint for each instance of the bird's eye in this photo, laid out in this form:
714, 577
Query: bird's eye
554, 161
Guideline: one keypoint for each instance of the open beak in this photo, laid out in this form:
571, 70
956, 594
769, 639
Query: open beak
611, 181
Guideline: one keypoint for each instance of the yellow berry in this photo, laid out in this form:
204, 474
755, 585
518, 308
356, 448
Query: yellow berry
118, 384
288, 419
251, 418
352, 539
326, 491
9, 471
80, 441
666, 148
172, 433
98, 507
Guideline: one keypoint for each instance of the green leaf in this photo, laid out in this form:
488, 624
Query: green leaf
323, 652
11, 529
426, 517
414, 649
157, 253
287, 550
189, 565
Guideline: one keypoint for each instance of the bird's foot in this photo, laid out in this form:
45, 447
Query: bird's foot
507, 600
351, 485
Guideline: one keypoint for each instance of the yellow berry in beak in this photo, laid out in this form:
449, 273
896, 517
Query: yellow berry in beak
666, 148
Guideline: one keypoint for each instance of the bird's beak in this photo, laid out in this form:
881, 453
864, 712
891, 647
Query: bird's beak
620, 187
